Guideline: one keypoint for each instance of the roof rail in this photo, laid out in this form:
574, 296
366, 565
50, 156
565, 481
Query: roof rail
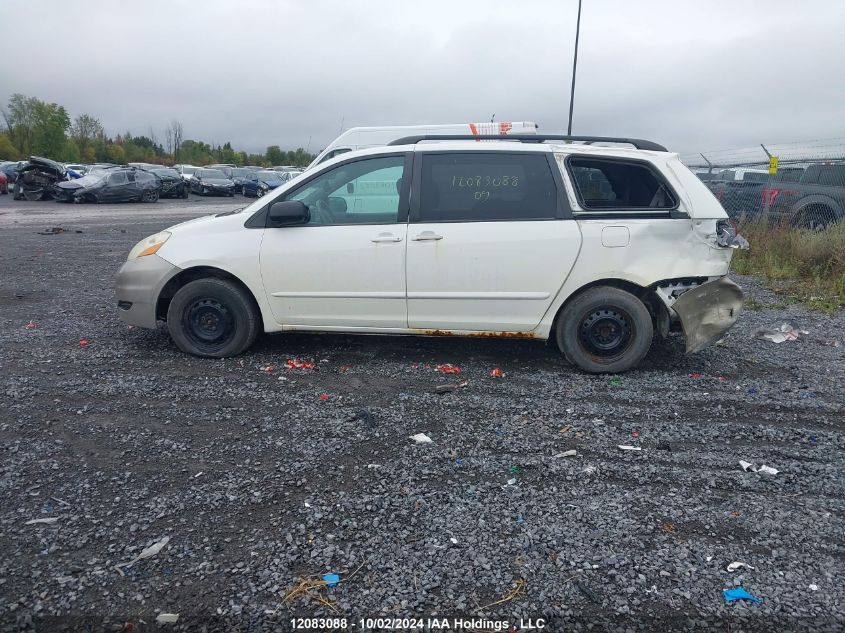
529, 138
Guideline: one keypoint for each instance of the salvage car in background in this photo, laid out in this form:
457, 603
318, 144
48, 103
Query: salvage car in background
119, 184
257, 183
599, 249
12, 168
238, 175
211, 182
172, 185
36, 179
4, 183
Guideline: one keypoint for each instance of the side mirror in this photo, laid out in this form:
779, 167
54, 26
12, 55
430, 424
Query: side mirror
288, 213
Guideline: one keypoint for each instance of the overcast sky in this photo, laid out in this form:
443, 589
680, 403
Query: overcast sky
694, 76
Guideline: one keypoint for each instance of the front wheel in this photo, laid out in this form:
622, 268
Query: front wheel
212, 318
605, 330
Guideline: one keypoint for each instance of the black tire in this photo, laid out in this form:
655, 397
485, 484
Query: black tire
815, 218
150, 195
185, 193
212, 318
605, 330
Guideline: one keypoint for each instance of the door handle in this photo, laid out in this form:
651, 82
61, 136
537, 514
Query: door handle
386, 237
427, 236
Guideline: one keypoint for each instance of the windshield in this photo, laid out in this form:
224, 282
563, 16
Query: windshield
165, 172
90, 179
267, 175
212, 173
239, 172
188, 170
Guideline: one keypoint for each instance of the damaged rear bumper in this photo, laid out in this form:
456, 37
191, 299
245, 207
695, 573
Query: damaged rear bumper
708, 311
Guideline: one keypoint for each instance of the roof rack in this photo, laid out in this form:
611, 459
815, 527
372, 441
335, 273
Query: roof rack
529, 138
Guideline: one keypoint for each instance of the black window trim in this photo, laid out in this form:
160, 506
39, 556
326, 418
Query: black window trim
563, 210
258, 220
673, 212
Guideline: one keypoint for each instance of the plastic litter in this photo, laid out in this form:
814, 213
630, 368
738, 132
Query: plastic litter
695, 376
520, 520
746, 466
615, 382
449, 388
813, 587
84, 342
31, 325
514, 470
448, 369
152, 550
453, 540
512, 482
268, 369
739, 594
496, 373
422, 438
324, 397
331, 580
736, 565
635, 433
45, 521
781, 333
295, 363
626, 447
167, 618
570, 453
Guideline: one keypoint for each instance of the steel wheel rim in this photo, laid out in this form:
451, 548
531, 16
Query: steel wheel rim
208, 323
606, 332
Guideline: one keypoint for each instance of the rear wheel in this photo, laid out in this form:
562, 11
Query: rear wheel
815, 218
150, 195
605, 330
212, 318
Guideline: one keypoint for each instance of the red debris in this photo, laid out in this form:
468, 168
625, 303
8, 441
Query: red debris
448, 369
695, 376
269, 369
345, 367
497, 373
31, 325
722, 379
84, 342
295, 363
324, 396
635, 433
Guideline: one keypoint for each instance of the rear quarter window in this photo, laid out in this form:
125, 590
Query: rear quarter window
479, 187
605, 184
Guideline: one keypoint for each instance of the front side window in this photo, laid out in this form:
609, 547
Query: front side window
362, 192
479, 187
603, 184
118, 178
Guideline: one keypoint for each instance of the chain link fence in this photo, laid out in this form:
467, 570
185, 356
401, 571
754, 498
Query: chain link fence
802, 184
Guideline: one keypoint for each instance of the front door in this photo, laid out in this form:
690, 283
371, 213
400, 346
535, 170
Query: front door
345, 268
489, 243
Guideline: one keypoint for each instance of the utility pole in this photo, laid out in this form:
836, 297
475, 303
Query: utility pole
574, 68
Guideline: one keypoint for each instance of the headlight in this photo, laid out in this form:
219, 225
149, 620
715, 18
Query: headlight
149, 245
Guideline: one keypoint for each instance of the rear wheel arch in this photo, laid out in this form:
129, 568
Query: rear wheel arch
645, 294
193, 274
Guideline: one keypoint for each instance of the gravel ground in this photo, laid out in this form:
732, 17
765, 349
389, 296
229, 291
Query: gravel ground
263, 477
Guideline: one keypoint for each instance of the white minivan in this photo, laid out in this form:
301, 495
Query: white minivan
597, 248
364, 137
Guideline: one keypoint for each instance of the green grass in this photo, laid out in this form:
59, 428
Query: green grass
799, 265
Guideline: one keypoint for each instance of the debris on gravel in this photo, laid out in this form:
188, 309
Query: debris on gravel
263, 501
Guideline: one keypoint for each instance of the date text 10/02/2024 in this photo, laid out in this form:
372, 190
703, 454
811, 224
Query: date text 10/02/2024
407, 624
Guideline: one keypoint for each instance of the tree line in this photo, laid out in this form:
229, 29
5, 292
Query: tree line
35, 127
